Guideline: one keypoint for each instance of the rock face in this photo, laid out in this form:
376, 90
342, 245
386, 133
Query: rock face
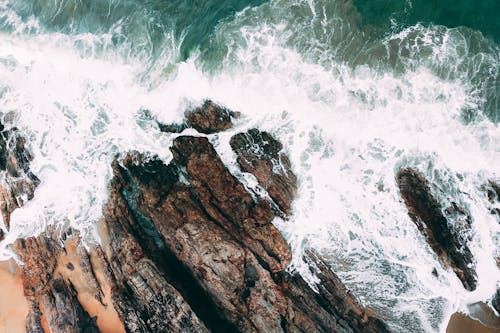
262, 155
436, 224
48, 292
186, 248
208, 118
200, 217
17, 181
144, 299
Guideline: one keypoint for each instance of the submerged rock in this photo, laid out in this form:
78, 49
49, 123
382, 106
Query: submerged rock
435, 223
492, 190
262, 155
496, 301
208, 118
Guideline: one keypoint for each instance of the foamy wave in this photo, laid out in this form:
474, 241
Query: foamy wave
347, 127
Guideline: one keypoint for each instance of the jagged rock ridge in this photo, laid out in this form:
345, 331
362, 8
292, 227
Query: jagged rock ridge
444, 238
17, 182
186, 248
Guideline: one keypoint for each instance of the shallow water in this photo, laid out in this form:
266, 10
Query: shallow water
354, 90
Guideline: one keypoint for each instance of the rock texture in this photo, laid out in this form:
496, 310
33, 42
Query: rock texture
54, 303
262, 155
208, 118
441, 226
17, 182
143, 298
201, 217
186, 248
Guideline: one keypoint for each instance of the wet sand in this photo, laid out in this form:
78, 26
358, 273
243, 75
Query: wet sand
13, 304
461, 323
107, 318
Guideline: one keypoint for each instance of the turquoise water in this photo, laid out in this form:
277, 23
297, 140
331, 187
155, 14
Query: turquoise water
355, 89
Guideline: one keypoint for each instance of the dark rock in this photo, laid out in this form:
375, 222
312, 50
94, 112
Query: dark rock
432, 220
34, 318
39, 256
492, 190
208, 118
496, 301
20, 182
262, 155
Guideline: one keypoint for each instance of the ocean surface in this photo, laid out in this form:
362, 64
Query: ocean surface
355, 89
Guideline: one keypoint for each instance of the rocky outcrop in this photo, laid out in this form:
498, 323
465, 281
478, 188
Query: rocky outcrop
442, 227
208, 118
194, 212
17, 182
143, 298
185, 247
54, 303
262, 155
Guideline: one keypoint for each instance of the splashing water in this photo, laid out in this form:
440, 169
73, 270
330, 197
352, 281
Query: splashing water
350, 104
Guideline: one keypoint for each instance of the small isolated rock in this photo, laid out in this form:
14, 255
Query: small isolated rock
492, 190
262, 155
441, 234
208, 118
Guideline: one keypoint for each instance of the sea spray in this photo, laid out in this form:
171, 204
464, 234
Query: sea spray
351, 108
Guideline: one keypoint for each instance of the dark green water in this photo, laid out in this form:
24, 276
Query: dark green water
481, 15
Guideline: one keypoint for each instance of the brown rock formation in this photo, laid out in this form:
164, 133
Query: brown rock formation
436, 224
186, 248
18, 182
200, 217
208, 118
262, 155
143, 298
54, 303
